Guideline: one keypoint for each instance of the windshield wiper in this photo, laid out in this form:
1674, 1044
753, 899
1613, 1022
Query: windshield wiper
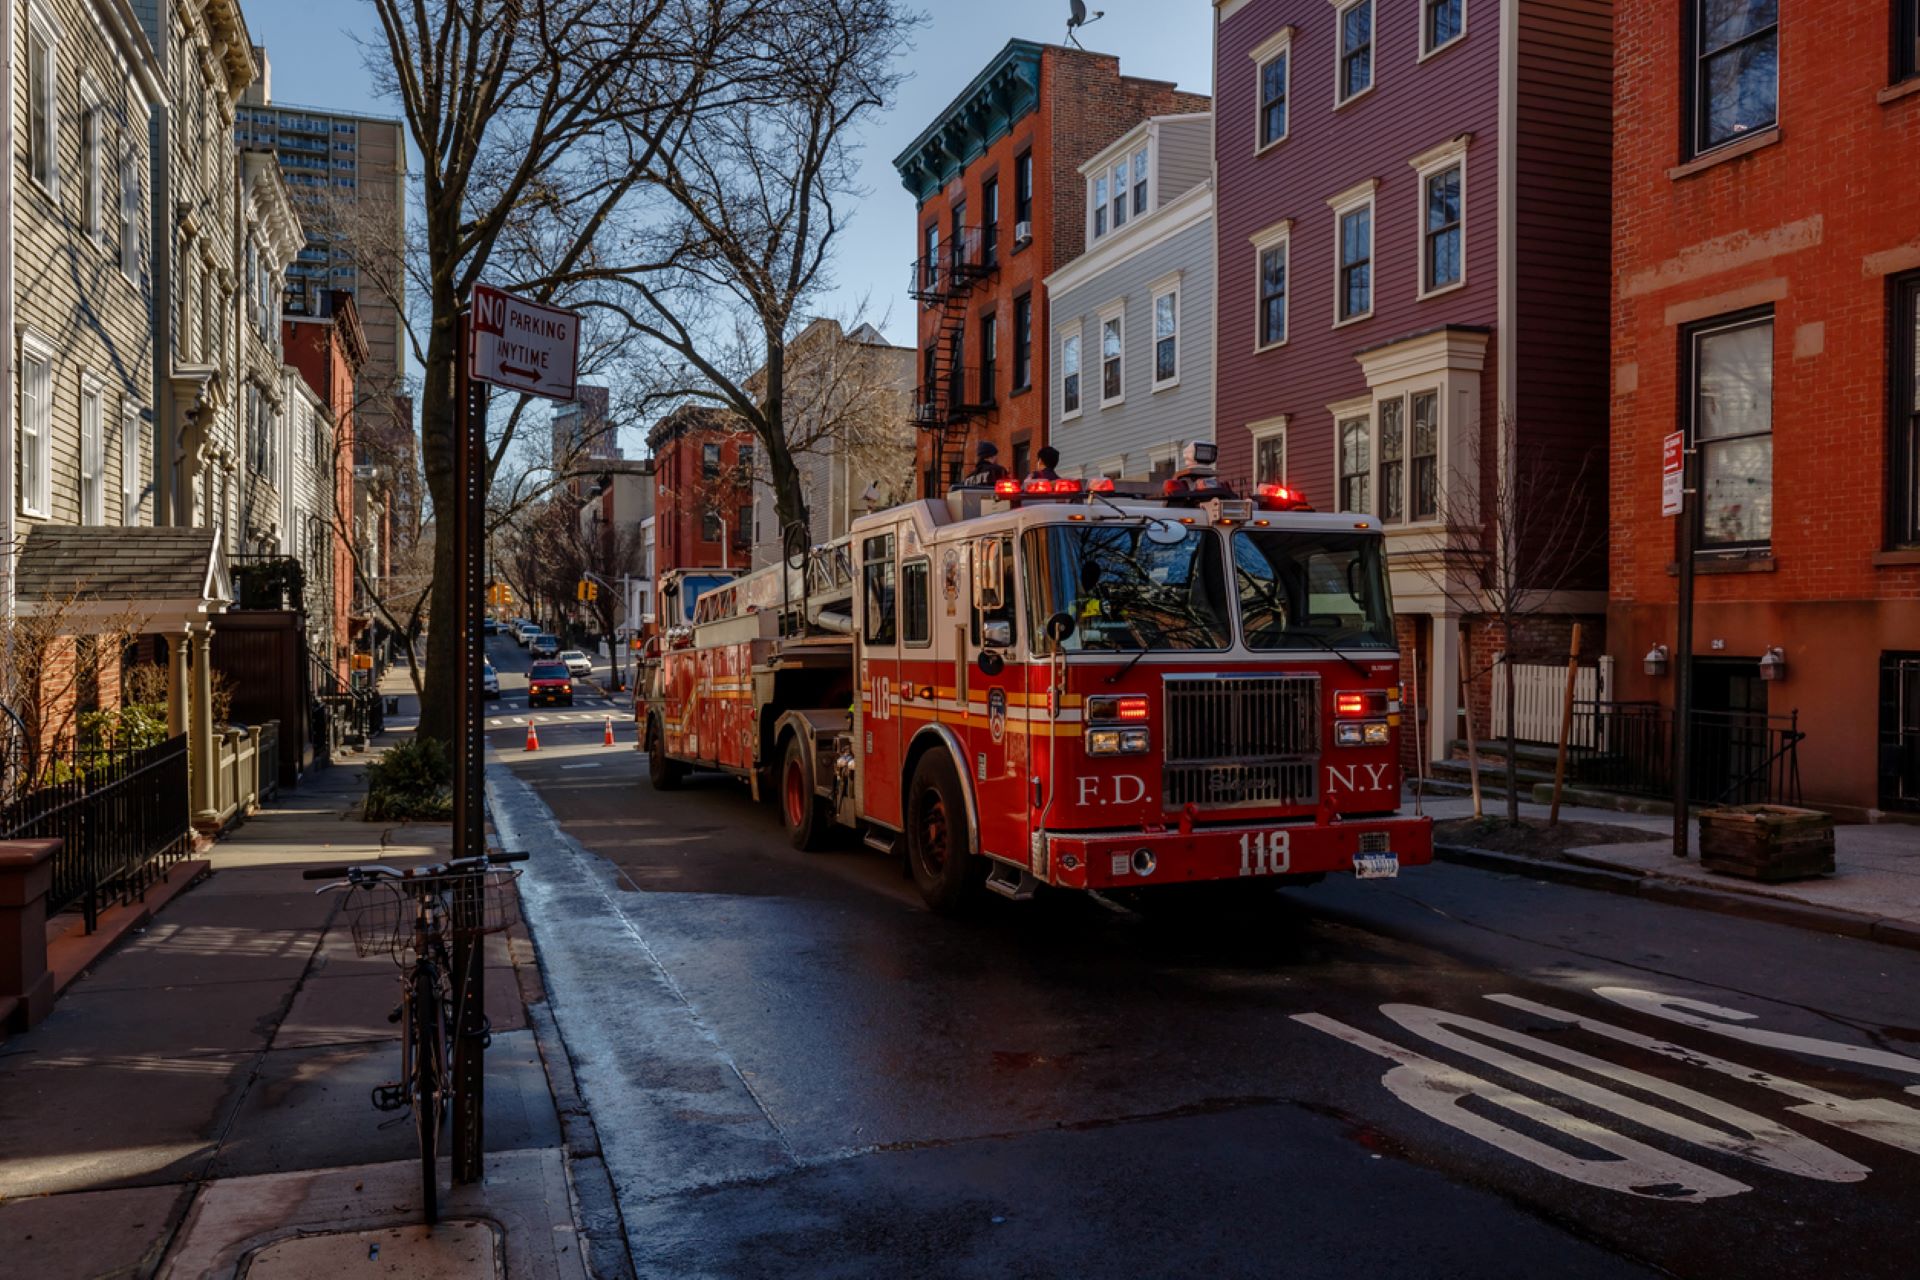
1116, 677
1329, 646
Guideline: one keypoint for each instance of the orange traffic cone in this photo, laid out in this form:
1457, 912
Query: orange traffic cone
533, 739
608, 740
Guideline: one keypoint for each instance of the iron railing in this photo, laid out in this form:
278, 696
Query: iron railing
1734, 757
121, 818
954, 267
341, 715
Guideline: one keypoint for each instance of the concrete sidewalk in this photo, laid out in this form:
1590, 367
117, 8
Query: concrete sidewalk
198, 1103
1873, 892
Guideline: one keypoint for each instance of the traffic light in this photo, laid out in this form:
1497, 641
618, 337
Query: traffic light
586, 590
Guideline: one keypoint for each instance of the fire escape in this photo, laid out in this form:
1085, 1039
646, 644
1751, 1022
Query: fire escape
952, 393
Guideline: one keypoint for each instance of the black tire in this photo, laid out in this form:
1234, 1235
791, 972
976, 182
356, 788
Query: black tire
429, 1067
808, 820
950, 879
663, 773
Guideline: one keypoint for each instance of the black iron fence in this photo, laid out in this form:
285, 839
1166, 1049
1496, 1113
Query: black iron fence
1734, 757
120, 816
341, 715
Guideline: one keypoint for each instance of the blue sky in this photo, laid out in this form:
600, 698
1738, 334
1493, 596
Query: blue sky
315, 61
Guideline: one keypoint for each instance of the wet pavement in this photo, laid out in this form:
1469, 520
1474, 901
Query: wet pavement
795, 1070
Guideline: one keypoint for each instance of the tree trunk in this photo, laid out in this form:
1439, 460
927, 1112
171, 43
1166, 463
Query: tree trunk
789, 495
439, 418
1513, 782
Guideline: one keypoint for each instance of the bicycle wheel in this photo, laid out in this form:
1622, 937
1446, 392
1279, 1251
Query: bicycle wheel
429, 1076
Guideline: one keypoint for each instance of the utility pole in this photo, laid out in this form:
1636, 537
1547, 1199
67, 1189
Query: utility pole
469, 773
1683, 645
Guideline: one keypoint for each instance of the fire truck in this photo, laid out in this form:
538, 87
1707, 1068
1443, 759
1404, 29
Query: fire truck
1096, 686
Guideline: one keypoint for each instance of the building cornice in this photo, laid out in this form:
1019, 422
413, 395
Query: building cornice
1005, 92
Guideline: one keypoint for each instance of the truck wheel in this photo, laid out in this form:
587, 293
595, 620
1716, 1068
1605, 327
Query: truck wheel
664, 774
948, 876
803, 813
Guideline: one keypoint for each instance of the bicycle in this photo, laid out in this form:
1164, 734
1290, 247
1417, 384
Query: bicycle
420, 912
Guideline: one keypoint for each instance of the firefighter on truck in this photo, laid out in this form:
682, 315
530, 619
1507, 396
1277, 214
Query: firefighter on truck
1109, 686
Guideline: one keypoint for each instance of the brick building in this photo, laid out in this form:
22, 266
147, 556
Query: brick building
703, 492
1767, 275
1412, 256
329, 348
1001, 204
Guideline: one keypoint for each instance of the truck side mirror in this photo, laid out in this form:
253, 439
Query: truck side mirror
1061, 626
996, 633
991, 663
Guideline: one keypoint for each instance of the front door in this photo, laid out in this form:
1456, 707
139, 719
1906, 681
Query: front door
997, 720
1731, 737
1900, 731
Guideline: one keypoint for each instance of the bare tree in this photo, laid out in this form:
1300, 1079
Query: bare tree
1529, 529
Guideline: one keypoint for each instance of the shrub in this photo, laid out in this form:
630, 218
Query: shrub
412, 780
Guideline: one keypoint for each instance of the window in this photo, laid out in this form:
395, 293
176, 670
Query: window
1099, 207
1733, 429
710, 461
1070, 375
1735, 69
36, 427
1270, 451
1906, 48
1023, 341
1273, 58
711, 529
1354, 247
990, 222
1120, 194
43, 102
1355, 69
989, 355
129, 214
1356, 467
1425, 496
131, 455
1905, 453
930, 260
1271, 249
876, 576
93, 461
1441, 23
93, 177
1440, 263
1166, 337
957, 236
1112, 384
1023, 187
744, 463
929, 359
916, 603
1139, 182
1391, 415
1022, 457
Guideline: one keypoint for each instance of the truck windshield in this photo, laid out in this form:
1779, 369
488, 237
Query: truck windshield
1126, 591
1312, 590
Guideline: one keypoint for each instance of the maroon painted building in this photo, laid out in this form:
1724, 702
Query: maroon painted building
1412, 213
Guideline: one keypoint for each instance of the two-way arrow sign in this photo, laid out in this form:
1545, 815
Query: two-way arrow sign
522, 345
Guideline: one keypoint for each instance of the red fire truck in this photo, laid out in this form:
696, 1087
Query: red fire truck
1104, 687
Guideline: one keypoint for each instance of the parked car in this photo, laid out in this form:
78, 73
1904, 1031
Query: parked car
578, 663
549, 683
544, 645
524, 633
489, 680
490, 627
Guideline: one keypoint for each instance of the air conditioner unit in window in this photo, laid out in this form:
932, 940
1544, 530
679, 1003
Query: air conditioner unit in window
1022, 234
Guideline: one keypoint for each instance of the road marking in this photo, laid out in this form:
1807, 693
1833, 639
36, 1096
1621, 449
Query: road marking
1753, 1137
1891, 1123
1690, 1013
594, 765
1440, 1092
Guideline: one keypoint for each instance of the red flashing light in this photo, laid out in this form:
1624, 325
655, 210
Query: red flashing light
1066, 486
1103, 485
1350, 704
1278, 497
1006, 488
1132, 709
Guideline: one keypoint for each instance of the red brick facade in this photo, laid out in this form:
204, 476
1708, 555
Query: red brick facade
329, 352
1813, 222
1080, 104
687, 488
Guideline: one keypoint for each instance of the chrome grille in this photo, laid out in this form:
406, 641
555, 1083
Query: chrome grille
1242, 740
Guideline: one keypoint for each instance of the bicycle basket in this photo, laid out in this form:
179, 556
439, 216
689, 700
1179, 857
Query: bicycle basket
381, 915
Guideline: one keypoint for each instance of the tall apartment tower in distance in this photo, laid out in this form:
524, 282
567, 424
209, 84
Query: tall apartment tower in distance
348, 173
583, 430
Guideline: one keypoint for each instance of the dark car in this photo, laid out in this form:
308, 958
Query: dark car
490, 627
544, 645
549, 683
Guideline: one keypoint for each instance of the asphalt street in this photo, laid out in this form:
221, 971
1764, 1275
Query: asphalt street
794, 1069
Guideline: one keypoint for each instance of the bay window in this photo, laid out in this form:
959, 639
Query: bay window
1356, 466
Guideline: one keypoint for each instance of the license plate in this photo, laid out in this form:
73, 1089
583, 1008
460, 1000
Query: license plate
1376, 866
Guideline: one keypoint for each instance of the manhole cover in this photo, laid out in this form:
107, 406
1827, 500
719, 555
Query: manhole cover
462, 1249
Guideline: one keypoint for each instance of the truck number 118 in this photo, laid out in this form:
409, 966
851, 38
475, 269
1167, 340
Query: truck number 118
1265, 853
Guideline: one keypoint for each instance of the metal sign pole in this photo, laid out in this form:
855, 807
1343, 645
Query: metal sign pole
1683, 649
469, 772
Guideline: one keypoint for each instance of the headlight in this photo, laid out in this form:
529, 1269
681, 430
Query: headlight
1118, 742
1376, 733
1347, 735
1133, 741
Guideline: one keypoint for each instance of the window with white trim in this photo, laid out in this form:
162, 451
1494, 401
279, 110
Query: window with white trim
93, 177
1353, 69
1443, 204
1273, 68
131, 455
1423, 498
1353, 254
130, 214
1099, 206
1269, 451
1732, 394
1070, 375
93, 454
1113, 333
1390, 417
1166, 336
43, 99
1271, 251
1441, 23
1119, 191
36, 427
1389, 457
1355, 437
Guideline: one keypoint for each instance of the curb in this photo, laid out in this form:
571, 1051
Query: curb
1749, 906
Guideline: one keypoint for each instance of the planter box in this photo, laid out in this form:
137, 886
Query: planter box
1767, 842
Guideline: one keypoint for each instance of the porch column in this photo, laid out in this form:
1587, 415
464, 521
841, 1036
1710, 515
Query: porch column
177, 690
1443, 693
200, 741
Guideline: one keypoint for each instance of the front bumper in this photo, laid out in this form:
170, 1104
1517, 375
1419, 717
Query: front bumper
1107, 859
549, 699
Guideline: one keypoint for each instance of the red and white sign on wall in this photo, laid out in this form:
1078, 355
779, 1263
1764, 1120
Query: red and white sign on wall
521, 345
1673, 469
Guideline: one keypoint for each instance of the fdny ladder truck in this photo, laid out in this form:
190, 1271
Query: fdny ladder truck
1100, 686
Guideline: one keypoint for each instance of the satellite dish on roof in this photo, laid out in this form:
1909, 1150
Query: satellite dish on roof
1078, 17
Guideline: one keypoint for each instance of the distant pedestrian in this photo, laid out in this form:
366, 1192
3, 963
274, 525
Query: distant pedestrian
1049, 459
986, 471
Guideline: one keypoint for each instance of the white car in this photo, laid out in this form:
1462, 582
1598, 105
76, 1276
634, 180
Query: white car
525, 632
579, 665
489, 681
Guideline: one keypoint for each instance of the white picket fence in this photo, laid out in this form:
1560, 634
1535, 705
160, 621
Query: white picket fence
1539, 690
